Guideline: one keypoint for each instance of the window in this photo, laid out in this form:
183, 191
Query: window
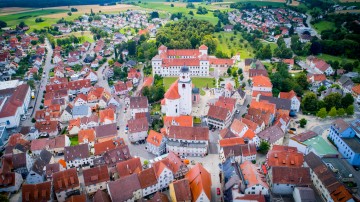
183, 85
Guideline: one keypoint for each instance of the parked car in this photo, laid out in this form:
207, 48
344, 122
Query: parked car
218, 191
294, 129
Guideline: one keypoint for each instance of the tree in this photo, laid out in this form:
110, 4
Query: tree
240, 71
191, 13
303, 122
309, 102
154, 14
322, 113
22, 24
264, 147
321, 89
228, 71
301, 79
172, 5
333, 112
131, 47
210, 42
69, 14
350, 110
347, 100
341, 112
332, 100
3, 24
31, 83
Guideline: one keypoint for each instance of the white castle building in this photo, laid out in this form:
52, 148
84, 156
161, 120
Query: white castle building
179, 97
169, 62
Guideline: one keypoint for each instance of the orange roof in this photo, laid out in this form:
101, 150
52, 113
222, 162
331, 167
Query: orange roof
148, 81
256, 93
227, 103
203, 47
261, 81
231, 141
74, 122
263, 106
251, 174
287, 95
172, 93
200, 181
107, 114
250, 134
288, 61
237, 126
87, 134
178, 121
154, 138
356, 89
284, 156
250, 124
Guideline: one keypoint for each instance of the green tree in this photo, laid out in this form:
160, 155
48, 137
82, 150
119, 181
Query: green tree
131, 47
3, 24
228, 71
31, 83
341, 112
309, 102
210, 42
333, 112
333, 100
303, 122
191, 13
350, 110
264, 147
322, 113
301, 79
347, 100
321, 89
240, 71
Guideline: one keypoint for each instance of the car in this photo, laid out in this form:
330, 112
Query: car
183, 157
31, 107
294, 129
218, 191
23, 118
213, 130
118, 128
237, 111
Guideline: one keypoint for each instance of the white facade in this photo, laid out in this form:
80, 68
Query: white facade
134, 137
157, 150
165, 178
94, 187
257, 189
151, 189
61, 196
18, 181
295, 104
203, 197
80, 162
187, 147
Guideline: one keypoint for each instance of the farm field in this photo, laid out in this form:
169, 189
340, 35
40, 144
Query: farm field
9, 10
84, 36
229, 46
324, 25
199, 82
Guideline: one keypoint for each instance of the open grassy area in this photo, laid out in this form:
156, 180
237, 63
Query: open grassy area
229, 46
199, 82
324, 25
340, 59
74, 140
273, 45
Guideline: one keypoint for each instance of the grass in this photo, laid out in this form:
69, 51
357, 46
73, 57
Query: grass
340, 59
197, 120
74, 140
273, 45
227, 46
155, 108
29, 18
87, 36
324, 25
199, 82
126, 29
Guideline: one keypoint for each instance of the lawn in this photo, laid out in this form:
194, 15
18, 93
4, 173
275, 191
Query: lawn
273, 45
324, 25
199, 82
86, 36
235, 46
74, 140
126, 29
29, 18
340, 59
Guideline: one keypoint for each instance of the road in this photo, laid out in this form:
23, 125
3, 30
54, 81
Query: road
308, 20
42, 85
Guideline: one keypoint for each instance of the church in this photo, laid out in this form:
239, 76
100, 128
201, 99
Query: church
180, 96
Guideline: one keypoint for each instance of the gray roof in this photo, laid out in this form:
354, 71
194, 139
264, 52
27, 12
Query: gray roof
81, 110
43, 159
123, 188
241, 92
271, 134
279, 102
76, 152
306, 194
353, 143
343, 79
248, 61
195, 90
106, 130
355, 125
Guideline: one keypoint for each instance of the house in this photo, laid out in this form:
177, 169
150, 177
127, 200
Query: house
36, 192
87, 136
19, 163
179, 168
221, 113
113, 156
137, 129
65, 184
304, 194
252, 179
237, 149
81, 111
228, 28
200, 183
125, 189
101, 196
262, 113
37, 171
66, 115
54, 145
251, 125
169, 62
324, 180
120, 88
346, 141
295, 101
148, 182
164, 173
319, 65
78, 156
107, 116
96, 179
138, 105
356, 93
102, 147
14, 105
239, 95
273, 135
128, 167
346, 83
258, 72
280, 103
284, 156
156, 143
261, 84
105, 132
52, 168
316, 80
188, 141
283, 180
180, 190
92, 76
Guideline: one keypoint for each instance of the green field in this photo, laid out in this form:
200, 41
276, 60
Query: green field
324, 25
29, 18
199, 82
74, 140
227, 46
273, 45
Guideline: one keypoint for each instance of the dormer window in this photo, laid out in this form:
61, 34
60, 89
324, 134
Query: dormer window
183, 77
183, 85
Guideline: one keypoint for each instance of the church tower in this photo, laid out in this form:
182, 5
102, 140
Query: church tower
185, 90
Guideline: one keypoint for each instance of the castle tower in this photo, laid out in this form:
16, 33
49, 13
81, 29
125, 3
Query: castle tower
185, 91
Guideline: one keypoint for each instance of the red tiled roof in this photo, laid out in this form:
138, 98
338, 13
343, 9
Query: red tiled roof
36, 192
189, 133
96, 175
147, 178
200, 181
154, 138
261, 81
284, 156
129, 167
66, 179
86, 134
178, 120
172, 93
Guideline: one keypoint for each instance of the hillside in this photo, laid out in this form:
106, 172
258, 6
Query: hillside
50, 3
